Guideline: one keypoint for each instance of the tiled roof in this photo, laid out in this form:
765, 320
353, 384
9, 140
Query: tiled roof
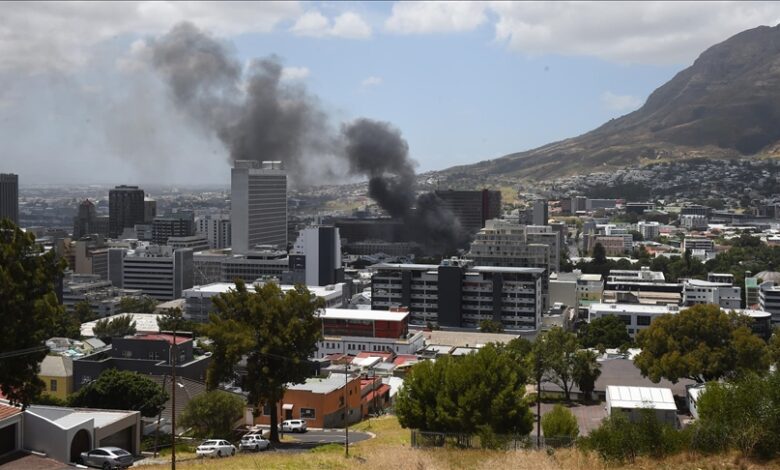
6, 411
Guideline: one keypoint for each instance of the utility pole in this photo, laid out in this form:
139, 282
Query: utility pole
173, 398
159, 417
346, 402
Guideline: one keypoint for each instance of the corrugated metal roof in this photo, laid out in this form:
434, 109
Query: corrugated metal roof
641, 397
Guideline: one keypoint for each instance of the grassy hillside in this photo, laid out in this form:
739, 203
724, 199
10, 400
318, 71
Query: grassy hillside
391, 450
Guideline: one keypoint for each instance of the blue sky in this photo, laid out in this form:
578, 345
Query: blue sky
463, 81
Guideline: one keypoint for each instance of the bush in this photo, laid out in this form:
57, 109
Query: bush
560, 424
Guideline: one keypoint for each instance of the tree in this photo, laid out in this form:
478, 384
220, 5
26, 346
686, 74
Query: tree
83, 311
774, 348
608, 332
276, 332
143, 304
560, 423
122, 390
106, 328
490, 326
743, 414
173, 319
213, 413
30, 311
701, 343
559, 351
586, 371
483, 392
599, 254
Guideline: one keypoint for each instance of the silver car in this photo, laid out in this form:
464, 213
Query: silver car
107, 458
254, 442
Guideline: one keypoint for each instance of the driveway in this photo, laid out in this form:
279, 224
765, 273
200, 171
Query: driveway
589, 417
317, 437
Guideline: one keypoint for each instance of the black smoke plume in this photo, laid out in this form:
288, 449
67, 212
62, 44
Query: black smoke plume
258, 116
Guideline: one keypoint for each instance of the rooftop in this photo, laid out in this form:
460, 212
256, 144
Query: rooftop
144, 322
362, 314
621, 396
209, 290
6, 411
323, 386
70, 417
162, 337
56, 366
632, 308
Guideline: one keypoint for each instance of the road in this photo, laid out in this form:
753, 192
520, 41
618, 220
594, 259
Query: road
313, 438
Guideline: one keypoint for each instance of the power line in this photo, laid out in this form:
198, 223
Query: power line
23, 352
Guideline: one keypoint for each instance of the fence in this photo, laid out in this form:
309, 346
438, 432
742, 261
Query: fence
428, 439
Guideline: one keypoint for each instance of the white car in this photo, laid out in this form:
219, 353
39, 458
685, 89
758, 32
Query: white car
294, 425
254, 442
215, 448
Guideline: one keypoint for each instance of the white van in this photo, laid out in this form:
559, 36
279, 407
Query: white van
294, 425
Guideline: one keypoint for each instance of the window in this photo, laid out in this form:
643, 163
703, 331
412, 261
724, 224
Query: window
308, 413
643, 320
341, 400
154, 355
127, 353
86, 379
266, 410
626, 319
53, 385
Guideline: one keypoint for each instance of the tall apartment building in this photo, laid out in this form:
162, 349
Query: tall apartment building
541, 214
216, 227
457, 294
315, 259
158, 271
125, 209
472, 208
177, 224
9, 197
649, 230
258, 205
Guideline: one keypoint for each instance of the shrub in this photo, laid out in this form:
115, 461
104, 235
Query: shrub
560, 424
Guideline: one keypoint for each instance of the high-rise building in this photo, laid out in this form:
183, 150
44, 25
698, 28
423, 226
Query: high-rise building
216, 227
85, 219
258, 205
150, 210
315, 259
457, 294
178, 224
158, 271
472, 208
9, 197
541, 212
125, 209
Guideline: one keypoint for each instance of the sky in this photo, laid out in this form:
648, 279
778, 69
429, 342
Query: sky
463, 82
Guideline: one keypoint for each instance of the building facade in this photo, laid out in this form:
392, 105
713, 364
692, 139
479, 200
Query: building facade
216, 227
258, 205
178, 224
315, 259
125, 209
348, 331
472, 208
158, 271
9, 197
707, 292
457, 294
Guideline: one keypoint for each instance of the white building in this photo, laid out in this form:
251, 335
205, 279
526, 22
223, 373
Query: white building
156, 270
346, 331
693, 222
649, 230
102, 296
216, 227
258, 205
631, 400
198, 300
636, 316
769, 300
315, 259
195, 242
723, 294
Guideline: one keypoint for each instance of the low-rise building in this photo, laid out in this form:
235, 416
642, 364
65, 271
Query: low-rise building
769, 300
723, 294
636, 317
328, 402
56, 373
351, 331
631, 400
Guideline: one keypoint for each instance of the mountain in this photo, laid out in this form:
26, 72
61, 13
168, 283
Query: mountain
727, 104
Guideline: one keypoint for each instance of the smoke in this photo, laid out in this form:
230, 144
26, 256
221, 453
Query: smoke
258, 116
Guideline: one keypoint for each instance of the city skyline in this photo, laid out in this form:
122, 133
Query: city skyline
80, 107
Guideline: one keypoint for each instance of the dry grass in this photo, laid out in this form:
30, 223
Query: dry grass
391, 450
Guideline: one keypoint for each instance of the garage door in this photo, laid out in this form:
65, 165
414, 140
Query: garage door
122, 439
8, 439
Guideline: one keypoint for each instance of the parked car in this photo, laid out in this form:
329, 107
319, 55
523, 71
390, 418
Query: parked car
294, 425
215, 448
107, 458
254, 442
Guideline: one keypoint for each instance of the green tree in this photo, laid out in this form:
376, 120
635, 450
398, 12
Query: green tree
30, 311
774, 348
83, 311
276, 332
599, 254
491, 326
608, 332
106, 328
743, 415
143, 304
213, 413
559, 352
483, 393
173, 319
701, 343
586, 371
560, 423
121, 390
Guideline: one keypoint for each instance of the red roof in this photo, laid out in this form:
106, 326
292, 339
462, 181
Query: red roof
403, 358
163, 337
6, 411
383, 389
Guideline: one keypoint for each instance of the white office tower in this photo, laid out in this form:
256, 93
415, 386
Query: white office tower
258, 205
157, 271
216, 227
315, 259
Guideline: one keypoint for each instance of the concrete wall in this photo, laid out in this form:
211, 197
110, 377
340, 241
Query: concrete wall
42, 435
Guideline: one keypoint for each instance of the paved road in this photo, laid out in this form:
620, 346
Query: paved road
313, 438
